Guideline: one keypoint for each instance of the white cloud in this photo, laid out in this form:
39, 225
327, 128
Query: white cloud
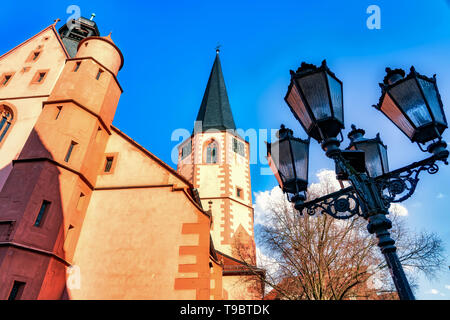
433, 291
447, 286
269, 264
265, 261
440, 195
262, 204
398, 209
327, 179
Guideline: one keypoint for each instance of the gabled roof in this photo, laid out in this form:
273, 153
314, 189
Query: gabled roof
233, 266
52, 27
215, 111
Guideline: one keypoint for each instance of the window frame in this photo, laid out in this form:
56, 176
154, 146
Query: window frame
42, 213
115, 157
238, 147
99, 74
240, 193
4, 131
183, 148
77, 66
19, 292
37, 76
69, 152
3, 79
33, 57
208, 155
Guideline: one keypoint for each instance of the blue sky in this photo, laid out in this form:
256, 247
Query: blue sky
169, 50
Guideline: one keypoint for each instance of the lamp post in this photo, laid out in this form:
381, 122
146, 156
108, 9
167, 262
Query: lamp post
315, 98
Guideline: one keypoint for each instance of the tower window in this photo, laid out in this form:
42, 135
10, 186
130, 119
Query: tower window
109, 163
6, 118
239, 193
69, 238
42, 212
98, 135
99, 74
80, 201
36, 55
17, 290
211, 152
69, 152
77, 66
59, 108
238, 147
186, 150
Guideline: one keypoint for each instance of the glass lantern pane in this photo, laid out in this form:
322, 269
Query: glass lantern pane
296, 103
274, 169
393, 113
373, 157
408, 96
300, 153
281, 155
384, 158
429, 90
336, 97
316, 93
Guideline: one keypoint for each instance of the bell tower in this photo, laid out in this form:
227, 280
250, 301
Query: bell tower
216, 161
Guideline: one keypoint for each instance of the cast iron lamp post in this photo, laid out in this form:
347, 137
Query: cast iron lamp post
315, 98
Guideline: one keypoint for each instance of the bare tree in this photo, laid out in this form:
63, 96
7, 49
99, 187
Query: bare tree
321, 258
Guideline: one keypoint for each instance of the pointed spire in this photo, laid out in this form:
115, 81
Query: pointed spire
215, 110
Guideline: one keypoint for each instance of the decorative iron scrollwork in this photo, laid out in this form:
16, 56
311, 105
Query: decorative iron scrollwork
395, 186
400, 184
343, 204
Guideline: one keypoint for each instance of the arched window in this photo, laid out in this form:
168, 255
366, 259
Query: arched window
211, 152
6, 117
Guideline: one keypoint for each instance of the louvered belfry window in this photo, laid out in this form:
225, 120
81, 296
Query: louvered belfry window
211, 152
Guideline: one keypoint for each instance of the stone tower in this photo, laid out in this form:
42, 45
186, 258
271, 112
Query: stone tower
45, 196
216, 161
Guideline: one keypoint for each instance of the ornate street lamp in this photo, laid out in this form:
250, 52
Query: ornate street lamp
288, 159
375, 152
315, 98
413, 104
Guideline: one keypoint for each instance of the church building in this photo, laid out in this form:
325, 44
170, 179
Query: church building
88, 213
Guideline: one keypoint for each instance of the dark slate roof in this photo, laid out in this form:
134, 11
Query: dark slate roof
215, 111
